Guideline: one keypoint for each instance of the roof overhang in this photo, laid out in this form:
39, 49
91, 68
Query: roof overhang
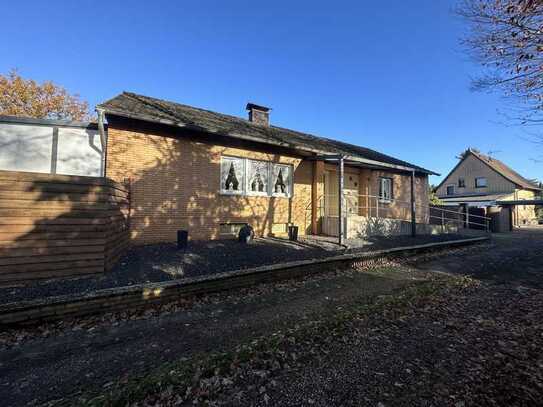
46, 122
317, 154
521, 202
364, 163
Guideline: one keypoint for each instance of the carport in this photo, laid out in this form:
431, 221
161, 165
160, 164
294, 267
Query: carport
510, 205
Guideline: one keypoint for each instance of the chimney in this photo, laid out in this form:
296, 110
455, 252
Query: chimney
259, 114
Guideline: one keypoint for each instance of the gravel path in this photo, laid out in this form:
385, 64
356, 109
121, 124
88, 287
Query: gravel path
164, 262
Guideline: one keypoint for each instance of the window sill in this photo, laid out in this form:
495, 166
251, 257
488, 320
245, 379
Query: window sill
224, 193
385, 201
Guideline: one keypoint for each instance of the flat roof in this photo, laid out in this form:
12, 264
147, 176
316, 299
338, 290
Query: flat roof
46, 122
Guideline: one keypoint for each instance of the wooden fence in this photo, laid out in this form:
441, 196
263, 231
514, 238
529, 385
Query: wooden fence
58, 226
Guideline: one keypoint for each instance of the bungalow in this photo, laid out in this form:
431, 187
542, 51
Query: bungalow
210, 173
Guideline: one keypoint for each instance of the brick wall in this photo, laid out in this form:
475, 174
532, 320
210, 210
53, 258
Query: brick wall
175, 185
402, 194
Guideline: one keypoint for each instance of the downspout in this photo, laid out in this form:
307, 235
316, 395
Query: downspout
103, 139
340, 208
413, 206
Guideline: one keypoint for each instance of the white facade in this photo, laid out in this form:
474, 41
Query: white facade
50, 147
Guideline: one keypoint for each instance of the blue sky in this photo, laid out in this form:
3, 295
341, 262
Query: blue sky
386, 75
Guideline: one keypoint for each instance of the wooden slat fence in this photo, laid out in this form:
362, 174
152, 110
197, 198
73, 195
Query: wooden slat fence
58, 226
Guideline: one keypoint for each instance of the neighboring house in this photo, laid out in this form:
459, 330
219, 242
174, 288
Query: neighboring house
485, 182
208, 173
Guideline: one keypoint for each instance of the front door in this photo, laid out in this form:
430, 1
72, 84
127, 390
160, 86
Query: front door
330, 193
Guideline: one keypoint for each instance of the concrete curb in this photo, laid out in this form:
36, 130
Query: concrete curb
65, 306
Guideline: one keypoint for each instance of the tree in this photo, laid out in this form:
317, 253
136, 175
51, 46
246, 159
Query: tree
434, 200
25, 97
506, 37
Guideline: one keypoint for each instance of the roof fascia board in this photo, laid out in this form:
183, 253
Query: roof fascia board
45, 122
526, 202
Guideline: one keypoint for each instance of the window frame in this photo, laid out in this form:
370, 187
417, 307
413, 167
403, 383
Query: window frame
266, 192
382, 199
242, 191
461, 182
290, 185
481, 186
245, 191
447, 189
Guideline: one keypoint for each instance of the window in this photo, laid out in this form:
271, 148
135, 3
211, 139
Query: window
461, 183
480, 182
242, 176
257, 177
281, 180
232, 175
450, 189
385, 189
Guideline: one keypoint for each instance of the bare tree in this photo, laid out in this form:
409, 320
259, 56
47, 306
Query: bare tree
25, 97
506, 37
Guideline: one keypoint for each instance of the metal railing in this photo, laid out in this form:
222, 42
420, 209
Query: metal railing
374, 206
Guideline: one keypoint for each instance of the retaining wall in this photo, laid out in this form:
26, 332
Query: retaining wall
143, 295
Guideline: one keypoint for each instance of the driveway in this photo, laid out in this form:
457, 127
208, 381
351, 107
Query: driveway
513, 258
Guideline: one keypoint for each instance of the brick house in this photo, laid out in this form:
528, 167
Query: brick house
480, 181
209, 173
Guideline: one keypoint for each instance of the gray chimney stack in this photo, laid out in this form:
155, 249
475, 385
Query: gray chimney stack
259, 114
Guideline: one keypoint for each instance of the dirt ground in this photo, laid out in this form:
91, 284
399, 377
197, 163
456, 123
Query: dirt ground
474, 345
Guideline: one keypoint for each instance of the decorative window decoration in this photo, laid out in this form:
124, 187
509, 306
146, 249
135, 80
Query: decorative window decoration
385, 189
243, 176
461, 183
480, 182
232, 175
450, 189
281, 180
257, 177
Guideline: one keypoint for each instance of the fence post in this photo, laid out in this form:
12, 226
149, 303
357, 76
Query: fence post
442, 221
